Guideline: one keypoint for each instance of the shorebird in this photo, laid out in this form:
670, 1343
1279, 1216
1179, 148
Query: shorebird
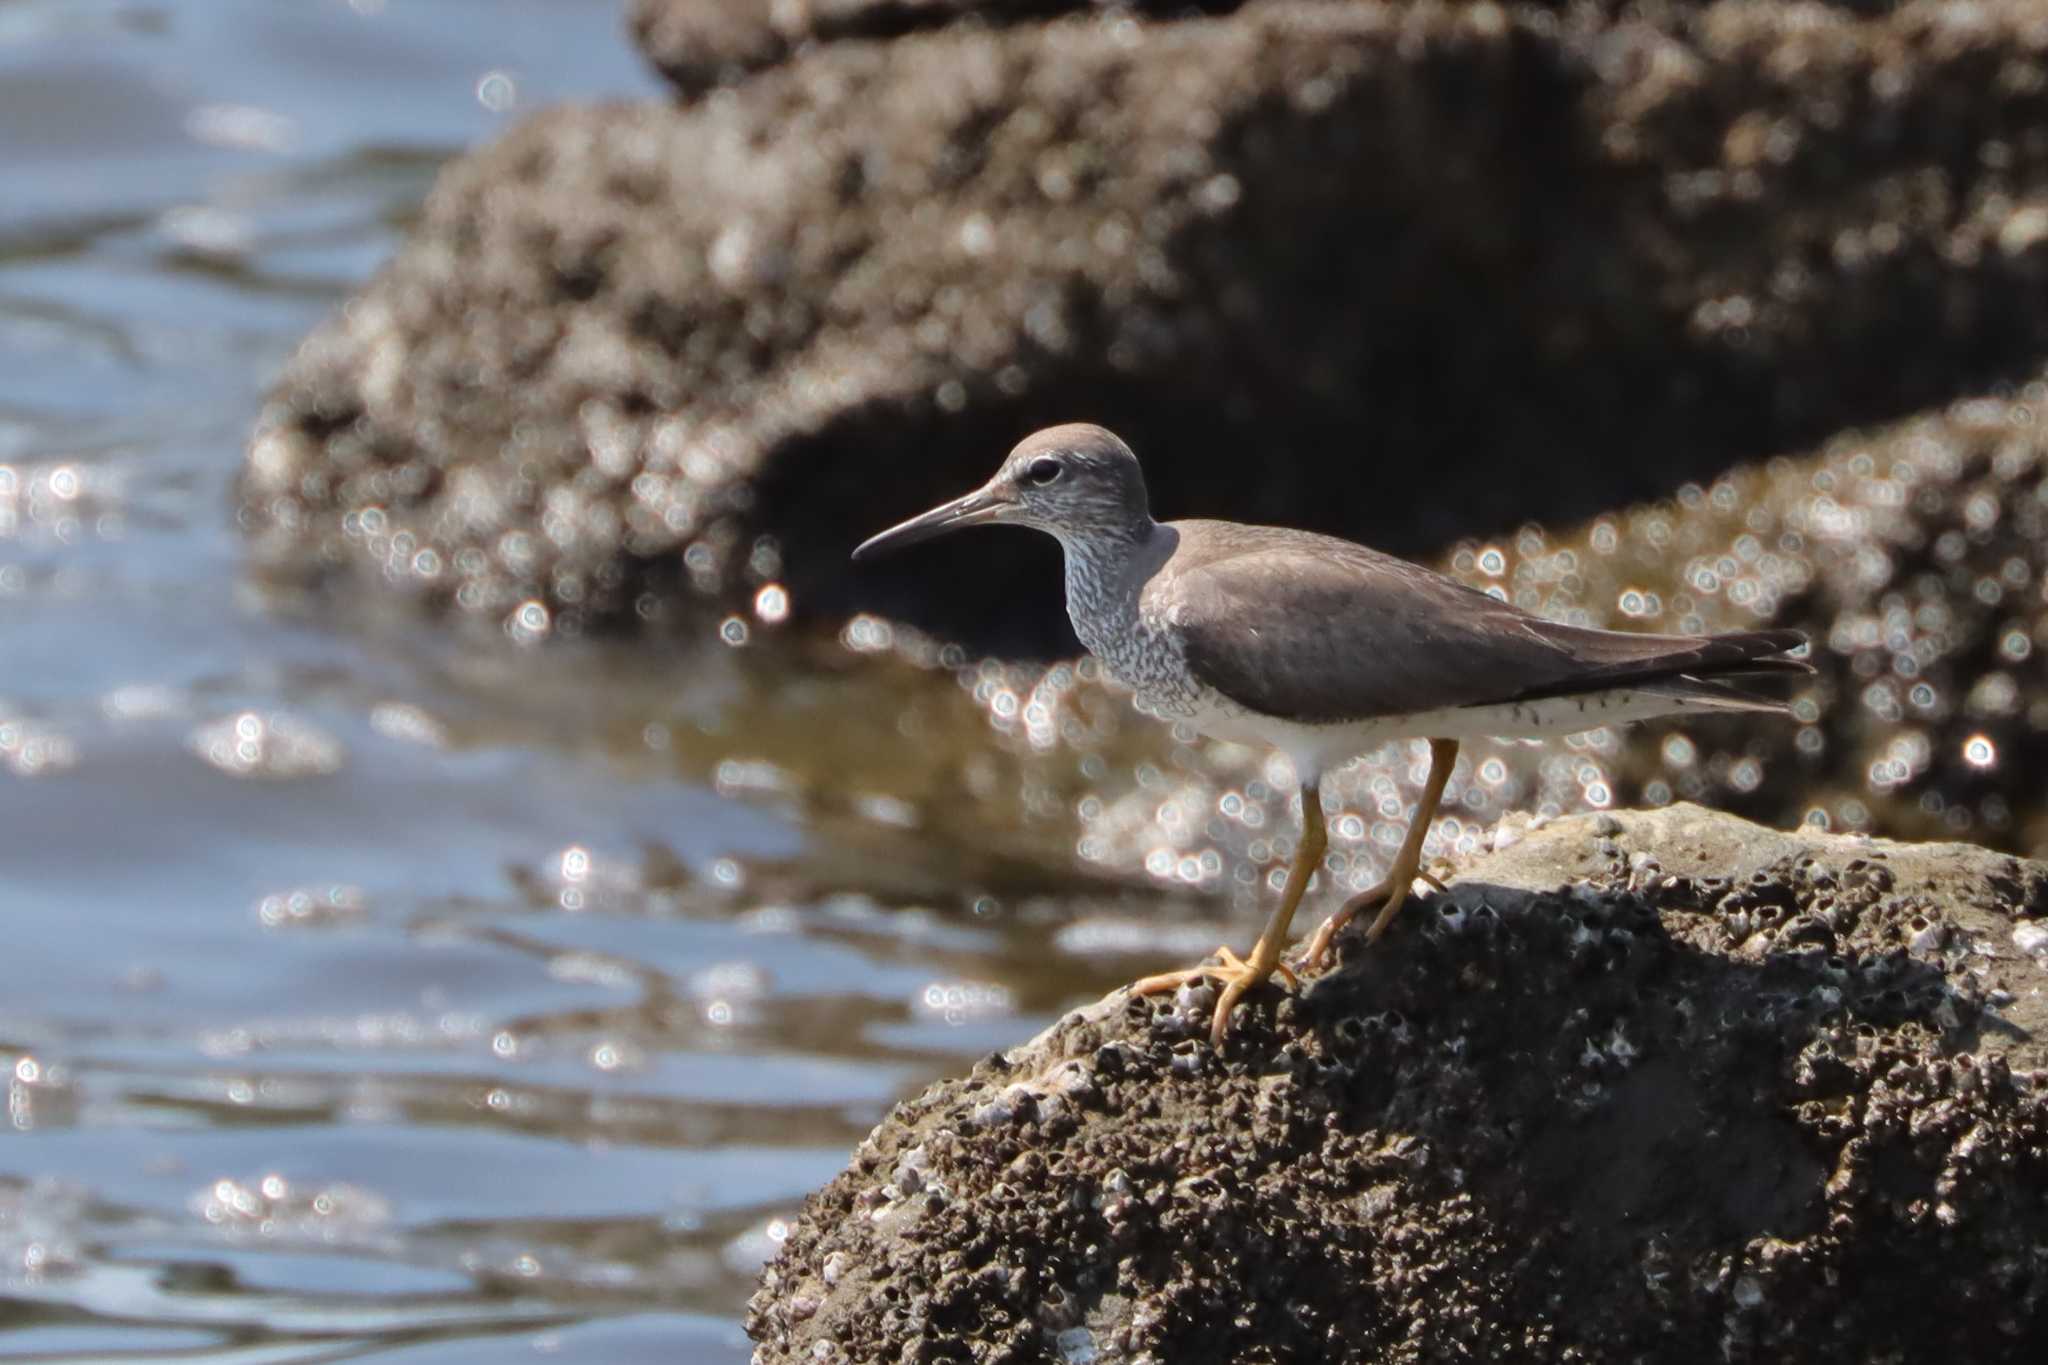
1323, 649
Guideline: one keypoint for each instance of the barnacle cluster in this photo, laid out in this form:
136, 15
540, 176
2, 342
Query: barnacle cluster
1685, 1090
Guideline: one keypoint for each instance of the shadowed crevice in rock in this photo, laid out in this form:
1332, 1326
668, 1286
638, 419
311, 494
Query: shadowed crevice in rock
1688, 1090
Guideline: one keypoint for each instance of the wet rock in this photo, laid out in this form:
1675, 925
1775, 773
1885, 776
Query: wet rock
1728, 1101
634, 351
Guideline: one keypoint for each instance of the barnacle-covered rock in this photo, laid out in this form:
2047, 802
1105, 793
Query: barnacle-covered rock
1645, 1085
1403, 271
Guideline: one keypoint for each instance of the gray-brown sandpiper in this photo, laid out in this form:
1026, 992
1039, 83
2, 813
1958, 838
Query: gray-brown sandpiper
1324, 649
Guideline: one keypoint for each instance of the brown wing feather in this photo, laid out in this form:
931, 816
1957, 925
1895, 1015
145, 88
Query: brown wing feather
1318, 629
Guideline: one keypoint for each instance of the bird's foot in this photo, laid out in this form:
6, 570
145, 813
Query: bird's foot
1392, 889
1232, 972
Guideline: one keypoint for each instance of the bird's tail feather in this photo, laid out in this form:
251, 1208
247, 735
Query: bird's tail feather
1716, 693
1610, 659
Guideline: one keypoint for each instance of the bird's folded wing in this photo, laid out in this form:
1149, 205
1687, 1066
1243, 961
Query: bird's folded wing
1322, 630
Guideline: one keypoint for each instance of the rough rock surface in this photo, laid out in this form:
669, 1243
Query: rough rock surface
1311, 256
1662, 1086
699, 47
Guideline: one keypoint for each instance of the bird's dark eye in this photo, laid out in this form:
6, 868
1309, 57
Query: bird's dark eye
1043, 472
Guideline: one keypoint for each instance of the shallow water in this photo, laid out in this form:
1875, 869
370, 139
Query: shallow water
367, 993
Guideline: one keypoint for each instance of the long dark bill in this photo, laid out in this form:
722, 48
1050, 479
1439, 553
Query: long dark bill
972, 510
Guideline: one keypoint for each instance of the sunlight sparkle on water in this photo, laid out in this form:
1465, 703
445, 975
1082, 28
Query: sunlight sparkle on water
771, 604
961, 1002
575, 863
613, 1054
266, 745
30, 750
529, 623
730, 993
746, 1253
398, 720
868, 635
241, 127
312, 906
497, 91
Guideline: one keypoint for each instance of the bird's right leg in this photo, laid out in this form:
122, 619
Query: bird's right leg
1236, 974
1407, 869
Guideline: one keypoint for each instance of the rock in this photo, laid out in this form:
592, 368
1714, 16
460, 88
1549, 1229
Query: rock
699, 46
1309, 256
1720, 1094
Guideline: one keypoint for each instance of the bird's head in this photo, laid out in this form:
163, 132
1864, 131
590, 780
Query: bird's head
1074, 481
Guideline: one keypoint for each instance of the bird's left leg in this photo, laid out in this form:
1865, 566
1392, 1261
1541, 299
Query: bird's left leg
1407, 869
1236, 974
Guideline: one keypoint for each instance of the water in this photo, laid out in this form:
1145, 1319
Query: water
368, 992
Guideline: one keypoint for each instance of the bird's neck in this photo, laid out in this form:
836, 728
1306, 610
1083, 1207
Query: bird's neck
1106, 568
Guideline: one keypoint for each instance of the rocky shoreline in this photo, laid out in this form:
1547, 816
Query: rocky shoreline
1649, 1085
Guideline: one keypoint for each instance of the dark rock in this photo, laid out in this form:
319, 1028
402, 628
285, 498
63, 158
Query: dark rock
699, 46
1314, 258
1725, 1094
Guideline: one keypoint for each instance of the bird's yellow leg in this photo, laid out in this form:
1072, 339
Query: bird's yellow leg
1407, 869
1235, 974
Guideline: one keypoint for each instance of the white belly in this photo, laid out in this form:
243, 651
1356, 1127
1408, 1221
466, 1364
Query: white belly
1315, 749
